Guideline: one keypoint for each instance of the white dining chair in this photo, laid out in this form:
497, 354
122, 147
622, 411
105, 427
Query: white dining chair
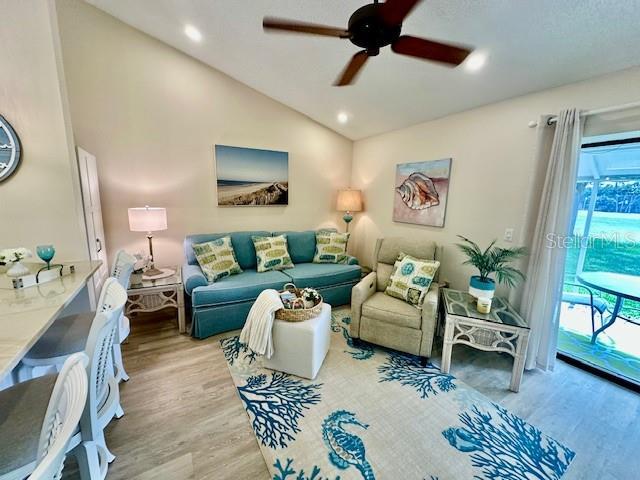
67, 403
122, 270
103, 403
103, 399
69, 334
42, 416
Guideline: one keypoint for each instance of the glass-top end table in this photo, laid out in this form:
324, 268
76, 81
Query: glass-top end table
151, 295
501, 330
138, 281
462, 304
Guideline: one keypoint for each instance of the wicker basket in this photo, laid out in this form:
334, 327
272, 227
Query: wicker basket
298, 314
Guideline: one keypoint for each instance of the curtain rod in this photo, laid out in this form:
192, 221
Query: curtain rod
587, 113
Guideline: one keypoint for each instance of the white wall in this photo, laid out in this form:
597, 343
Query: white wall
39, 203
492, 172
152, 115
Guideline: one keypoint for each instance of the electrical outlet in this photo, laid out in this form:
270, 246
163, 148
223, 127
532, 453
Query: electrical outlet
508, 235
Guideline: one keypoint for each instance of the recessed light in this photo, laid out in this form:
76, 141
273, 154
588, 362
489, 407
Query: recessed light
475, 61
193, 33
343, 117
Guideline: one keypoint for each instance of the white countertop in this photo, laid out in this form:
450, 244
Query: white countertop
25, 314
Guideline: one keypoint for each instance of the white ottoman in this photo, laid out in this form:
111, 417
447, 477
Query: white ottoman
300, 347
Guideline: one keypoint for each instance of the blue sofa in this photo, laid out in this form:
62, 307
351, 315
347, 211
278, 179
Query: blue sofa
223, 305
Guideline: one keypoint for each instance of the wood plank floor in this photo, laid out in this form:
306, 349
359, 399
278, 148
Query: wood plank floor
184, 421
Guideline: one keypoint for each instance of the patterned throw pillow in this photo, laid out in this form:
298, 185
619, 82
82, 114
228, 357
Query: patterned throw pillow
217, 258
411, 278
272, 253
331, 247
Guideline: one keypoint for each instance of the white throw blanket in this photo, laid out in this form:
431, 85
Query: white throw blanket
257, 329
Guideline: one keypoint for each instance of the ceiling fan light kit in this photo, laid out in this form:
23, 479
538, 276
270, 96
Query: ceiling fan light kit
373, 27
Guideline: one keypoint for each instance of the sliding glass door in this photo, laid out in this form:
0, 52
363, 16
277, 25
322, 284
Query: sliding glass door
600, 311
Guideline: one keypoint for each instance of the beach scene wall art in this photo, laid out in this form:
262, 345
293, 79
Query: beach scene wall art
251, 177
421, 191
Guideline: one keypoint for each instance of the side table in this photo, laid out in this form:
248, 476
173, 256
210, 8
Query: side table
154, 295
501, 330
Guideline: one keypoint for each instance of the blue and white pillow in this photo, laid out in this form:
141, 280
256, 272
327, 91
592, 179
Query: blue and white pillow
411, 278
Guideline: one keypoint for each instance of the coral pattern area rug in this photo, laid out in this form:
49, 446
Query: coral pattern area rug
377, 414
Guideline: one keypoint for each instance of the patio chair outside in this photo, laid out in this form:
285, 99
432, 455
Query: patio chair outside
589, 299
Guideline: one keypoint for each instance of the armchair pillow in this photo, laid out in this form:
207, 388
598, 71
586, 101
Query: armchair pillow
411, 278
331, 247
272, 253
217, 258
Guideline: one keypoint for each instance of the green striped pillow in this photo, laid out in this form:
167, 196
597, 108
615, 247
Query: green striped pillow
331, 247
217, 258
272, 253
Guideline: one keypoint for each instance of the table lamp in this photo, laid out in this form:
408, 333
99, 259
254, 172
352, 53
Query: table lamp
349, 201
148, 219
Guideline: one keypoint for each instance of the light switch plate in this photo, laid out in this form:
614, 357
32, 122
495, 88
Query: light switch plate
508, 235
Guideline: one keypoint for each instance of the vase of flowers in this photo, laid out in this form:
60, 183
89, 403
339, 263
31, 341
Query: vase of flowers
142, 261
12, 258
310, 297
492, 260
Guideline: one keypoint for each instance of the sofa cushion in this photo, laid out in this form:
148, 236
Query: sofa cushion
302, 245
391, 310
272, 253
241, 241
318, 275
237, 288
331, 247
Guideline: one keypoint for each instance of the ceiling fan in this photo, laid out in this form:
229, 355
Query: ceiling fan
372, 27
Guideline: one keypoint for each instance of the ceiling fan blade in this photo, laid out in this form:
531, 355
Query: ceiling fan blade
394, 12
302, 27
430, 50
352, 69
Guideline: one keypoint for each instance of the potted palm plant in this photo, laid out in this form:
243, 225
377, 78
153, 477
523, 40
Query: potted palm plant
492, 260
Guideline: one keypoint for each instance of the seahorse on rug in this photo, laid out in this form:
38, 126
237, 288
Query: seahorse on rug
362, 351
346, 449
418, 192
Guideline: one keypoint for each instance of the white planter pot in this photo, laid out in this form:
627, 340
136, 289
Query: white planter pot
481, 289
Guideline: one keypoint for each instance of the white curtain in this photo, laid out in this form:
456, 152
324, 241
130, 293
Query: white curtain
543, 288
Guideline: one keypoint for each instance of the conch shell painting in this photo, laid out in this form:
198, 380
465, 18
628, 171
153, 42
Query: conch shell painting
418, 192
421, 191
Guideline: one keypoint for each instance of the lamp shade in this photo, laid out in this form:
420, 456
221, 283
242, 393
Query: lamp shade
349, 200
147, 219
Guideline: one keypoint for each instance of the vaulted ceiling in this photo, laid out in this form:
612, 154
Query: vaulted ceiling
530, 45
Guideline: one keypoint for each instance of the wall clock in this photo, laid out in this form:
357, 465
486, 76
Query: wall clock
10, 152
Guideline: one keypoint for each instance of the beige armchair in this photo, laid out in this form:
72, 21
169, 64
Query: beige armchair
388, 321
